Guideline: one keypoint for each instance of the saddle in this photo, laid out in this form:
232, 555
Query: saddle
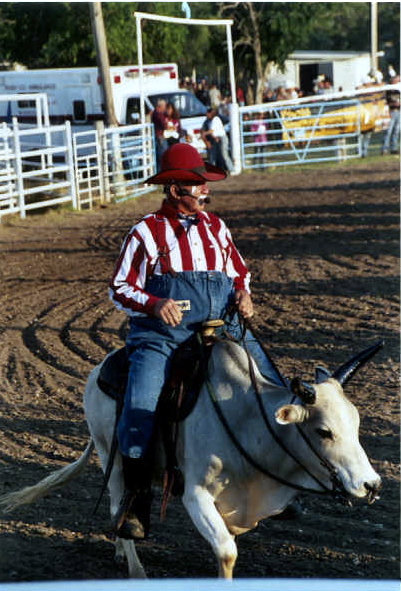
181, 389
178, 396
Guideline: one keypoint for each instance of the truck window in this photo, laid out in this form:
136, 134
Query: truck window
134, 110
185, 102
79, 110
26, 104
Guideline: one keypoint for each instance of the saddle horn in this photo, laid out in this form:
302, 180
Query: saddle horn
347, 370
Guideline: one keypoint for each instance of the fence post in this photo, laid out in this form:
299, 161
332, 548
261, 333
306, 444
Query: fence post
70, 163
116, 162
102, 140
18, 168
7, 154
99, 128
235, 138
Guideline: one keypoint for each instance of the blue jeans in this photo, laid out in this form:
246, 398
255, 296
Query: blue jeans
151, 343
392, 136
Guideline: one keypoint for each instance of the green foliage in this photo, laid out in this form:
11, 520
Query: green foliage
120, 28
58, 34
39, 34
282, 26
346, 26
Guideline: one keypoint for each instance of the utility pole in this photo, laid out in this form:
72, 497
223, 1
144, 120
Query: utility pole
102, 58
373, 35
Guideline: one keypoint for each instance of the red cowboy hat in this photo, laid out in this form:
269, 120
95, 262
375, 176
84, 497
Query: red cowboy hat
181, 163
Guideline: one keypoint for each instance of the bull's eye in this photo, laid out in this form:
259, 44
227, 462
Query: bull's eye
324, 433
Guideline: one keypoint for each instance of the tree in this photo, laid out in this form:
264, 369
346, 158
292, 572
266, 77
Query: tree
58, 34
267, 32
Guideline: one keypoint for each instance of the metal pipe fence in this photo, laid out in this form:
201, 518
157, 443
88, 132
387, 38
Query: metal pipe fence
278, 134
49, 165
33, 176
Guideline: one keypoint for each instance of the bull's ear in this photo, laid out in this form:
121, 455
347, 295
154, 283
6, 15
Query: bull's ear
303, 390
291, 413
321, 374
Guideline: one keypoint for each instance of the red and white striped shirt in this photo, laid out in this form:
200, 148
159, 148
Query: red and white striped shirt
162, 242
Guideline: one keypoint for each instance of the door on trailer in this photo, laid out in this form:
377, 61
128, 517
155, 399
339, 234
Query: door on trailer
308, 74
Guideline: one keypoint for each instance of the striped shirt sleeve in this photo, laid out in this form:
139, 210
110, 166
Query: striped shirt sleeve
127, 285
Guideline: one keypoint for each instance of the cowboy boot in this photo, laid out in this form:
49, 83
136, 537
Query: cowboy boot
132, 519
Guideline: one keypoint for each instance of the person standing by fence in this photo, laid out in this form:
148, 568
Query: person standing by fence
214, 136
159, 120
392, 137
259, 128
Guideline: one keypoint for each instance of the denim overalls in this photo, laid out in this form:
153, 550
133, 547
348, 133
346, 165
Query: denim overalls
150, 344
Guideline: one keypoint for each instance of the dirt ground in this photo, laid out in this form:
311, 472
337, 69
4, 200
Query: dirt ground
322, 244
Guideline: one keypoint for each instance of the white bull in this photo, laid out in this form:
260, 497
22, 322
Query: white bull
304, 438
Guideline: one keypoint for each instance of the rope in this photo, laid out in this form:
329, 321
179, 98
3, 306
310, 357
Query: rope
240, 447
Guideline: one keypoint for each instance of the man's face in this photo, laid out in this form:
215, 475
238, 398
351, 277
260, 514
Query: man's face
193, 198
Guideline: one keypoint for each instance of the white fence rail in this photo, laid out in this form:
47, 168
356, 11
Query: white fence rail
49, 165
33, 177
311, 129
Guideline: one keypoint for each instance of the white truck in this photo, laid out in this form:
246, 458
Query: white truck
75, 94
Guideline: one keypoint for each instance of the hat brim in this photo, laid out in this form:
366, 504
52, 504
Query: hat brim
208, 172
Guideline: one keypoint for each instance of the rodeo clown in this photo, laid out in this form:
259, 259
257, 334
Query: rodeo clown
178, 267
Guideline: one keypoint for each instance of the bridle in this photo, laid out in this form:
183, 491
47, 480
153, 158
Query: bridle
337, 491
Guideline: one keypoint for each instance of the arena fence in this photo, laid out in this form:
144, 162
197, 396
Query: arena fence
310, 130
208, 585
32, 177
45, 165
112, 163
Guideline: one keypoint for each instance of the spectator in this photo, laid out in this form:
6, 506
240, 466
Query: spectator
159, 120
174, 130
392, 137
259, 128
215, 138
280, 94
215, 97
240, 96
202, 93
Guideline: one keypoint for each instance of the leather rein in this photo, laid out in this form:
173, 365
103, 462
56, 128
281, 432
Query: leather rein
338, 491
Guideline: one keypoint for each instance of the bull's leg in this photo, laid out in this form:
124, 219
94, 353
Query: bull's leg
200, 505
135, 568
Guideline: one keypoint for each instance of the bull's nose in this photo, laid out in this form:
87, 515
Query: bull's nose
373, 490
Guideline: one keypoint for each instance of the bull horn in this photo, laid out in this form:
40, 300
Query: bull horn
303, 390
347, 370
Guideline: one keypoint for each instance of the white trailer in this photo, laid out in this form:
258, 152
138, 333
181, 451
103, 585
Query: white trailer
346, 69
75, 94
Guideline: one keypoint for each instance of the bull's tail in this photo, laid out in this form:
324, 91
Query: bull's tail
56, 479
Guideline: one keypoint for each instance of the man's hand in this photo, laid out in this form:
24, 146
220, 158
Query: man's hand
168, 311
244, 303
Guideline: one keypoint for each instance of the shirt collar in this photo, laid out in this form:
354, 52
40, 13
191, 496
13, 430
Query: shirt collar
170, 212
